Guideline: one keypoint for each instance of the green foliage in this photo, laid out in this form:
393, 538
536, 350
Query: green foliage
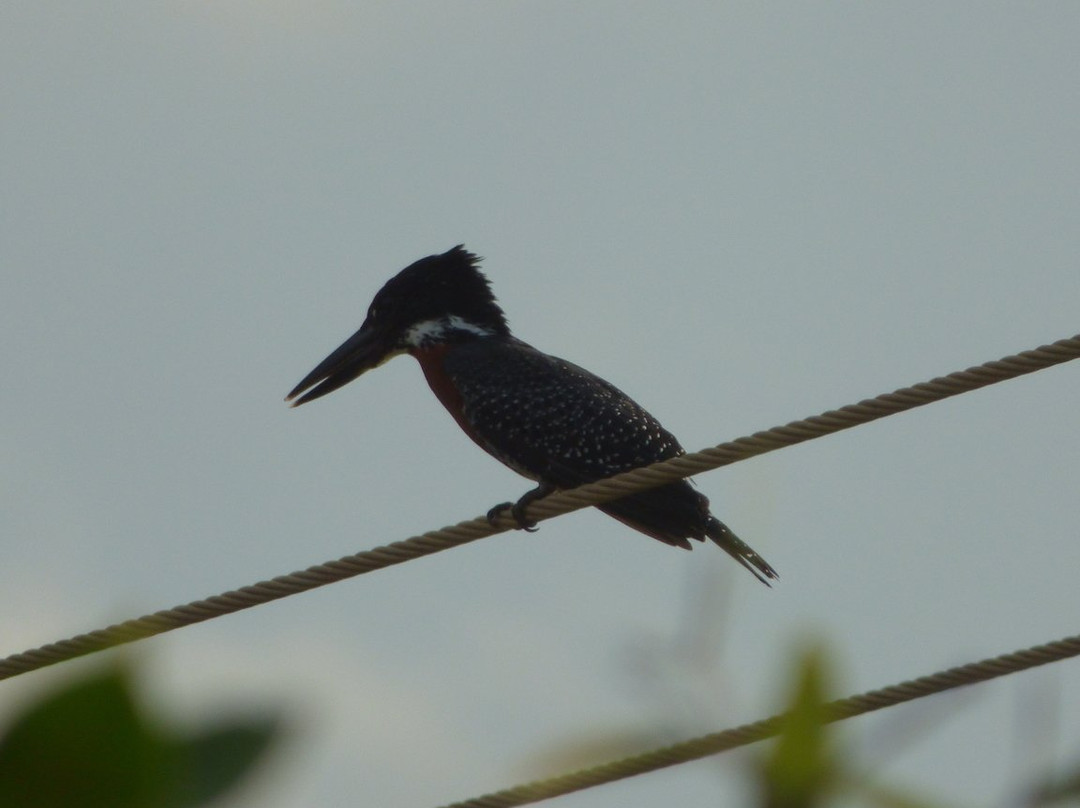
805, 768
91, 745
219, 757
800, 771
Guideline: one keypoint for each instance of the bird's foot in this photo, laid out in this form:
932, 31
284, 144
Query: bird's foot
517, 509
528, 525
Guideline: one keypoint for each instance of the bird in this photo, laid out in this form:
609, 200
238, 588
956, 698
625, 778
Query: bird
549, 420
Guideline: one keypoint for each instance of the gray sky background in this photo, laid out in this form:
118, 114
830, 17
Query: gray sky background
742, 214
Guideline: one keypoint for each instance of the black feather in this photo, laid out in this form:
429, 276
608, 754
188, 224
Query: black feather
559, 424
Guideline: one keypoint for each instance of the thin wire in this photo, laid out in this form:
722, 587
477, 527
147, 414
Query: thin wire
554, 505
707, 745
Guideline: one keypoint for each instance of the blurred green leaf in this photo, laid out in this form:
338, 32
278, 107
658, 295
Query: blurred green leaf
799, 771
85, 746
90, 745
215, 760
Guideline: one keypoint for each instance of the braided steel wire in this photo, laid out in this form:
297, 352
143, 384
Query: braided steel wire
715, 743
554, 505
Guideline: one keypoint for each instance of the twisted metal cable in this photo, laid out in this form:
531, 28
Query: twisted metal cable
707, 745
816, 426
554, 505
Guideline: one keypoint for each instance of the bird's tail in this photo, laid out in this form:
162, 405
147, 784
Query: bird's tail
740, 550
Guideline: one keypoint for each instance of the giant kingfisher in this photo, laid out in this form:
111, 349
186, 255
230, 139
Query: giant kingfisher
547, 419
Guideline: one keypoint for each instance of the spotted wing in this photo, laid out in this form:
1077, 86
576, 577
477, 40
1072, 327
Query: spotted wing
557, 423
549, 419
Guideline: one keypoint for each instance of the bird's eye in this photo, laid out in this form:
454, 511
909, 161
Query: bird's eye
371, 312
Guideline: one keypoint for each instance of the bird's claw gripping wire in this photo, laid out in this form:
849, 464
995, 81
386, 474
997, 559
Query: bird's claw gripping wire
517, 509
528, 525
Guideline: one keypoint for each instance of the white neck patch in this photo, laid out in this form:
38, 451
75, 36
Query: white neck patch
430, 331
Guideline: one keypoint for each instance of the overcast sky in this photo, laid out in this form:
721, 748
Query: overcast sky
741, 214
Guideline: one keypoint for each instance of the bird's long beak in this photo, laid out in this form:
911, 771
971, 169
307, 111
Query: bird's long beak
361, 352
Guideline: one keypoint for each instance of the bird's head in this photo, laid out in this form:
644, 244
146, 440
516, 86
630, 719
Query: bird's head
439, 299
